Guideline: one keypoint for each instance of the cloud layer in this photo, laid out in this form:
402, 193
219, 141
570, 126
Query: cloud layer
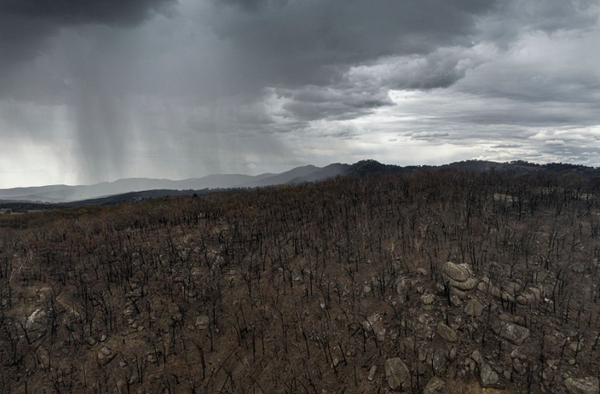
179, 89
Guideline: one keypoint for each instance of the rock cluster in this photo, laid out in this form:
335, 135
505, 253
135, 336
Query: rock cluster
459, 278
488, 377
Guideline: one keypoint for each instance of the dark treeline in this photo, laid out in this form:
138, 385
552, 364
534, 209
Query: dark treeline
275, 289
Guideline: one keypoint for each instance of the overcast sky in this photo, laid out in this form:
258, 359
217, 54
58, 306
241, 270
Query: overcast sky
94, 91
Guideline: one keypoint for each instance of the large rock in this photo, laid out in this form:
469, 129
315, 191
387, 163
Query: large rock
478, 357
526, 298
511, 332
427, 299
587, 385
489, 288
402, 286
427, 302
37, 324
474, 308
37, 320
468, 284
456, 272
105, 356
437, 359
435, 385
519, 367
460, 294
202, 322
397, 374
488, 377
447, 333
375, 323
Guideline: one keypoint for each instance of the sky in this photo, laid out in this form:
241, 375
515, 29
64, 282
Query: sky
94, 91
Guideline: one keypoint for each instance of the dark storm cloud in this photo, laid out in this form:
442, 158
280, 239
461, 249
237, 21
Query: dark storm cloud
314, 102
28, 71
26, 24
246, 5
313, 42
69, 12
346, 46
548, 16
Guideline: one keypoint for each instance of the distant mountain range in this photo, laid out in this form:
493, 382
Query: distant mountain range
136, 188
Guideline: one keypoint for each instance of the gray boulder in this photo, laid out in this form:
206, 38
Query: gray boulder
458, 273
37, 320
427, 302
488, 377
435, 385
447, 333
105, 356
375, 323
460, 294
511, 332
397, 374
519, 367
468, 284
587, 385
427, 299
474, 308
402, 286
202, 322
478, 357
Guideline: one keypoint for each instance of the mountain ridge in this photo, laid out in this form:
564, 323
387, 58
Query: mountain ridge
309, 173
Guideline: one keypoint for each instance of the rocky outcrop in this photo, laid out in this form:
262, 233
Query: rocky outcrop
397, 374
459, 278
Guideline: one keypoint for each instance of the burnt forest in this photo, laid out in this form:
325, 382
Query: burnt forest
435, 281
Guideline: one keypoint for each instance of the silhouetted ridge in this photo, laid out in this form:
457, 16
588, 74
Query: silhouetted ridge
372, 167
